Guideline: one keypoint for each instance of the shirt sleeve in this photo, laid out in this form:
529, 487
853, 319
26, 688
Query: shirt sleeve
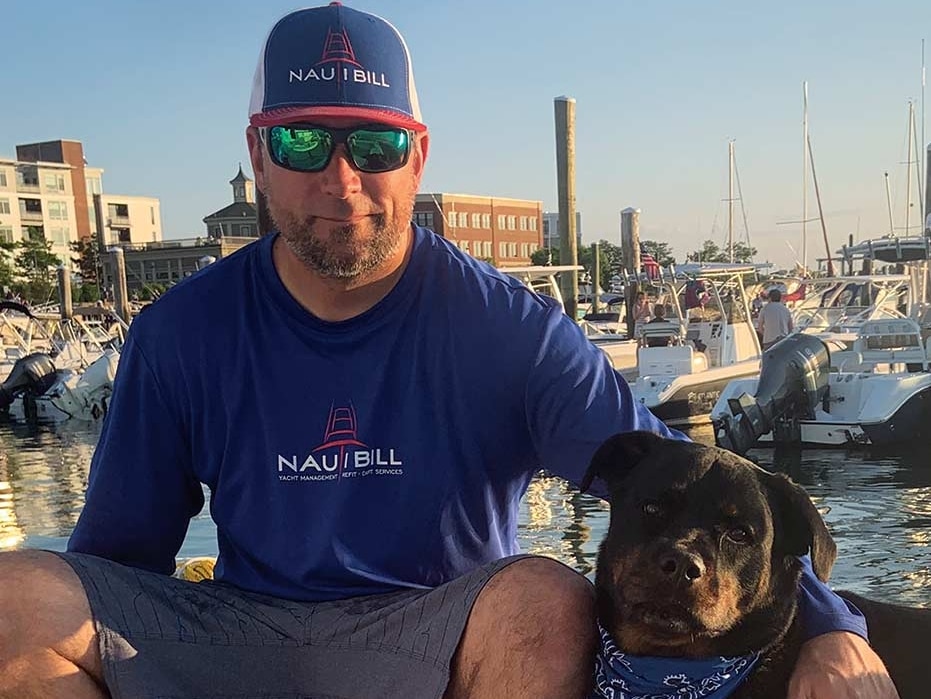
141, 491
576, 400
822, 611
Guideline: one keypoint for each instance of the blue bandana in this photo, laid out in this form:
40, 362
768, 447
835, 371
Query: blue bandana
622, 676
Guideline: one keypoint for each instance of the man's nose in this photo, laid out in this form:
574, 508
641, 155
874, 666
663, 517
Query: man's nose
340, 178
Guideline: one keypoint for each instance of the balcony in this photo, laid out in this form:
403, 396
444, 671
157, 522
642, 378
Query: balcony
30, 216
118, 222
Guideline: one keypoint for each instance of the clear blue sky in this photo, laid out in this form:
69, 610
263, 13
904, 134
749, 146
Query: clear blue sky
158, 93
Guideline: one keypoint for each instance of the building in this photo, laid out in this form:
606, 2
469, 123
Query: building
239, 219
504, 232
48, 192
551, 229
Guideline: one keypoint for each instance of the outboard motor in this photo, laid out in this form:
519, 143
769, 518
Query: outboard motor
35, 373
793, 381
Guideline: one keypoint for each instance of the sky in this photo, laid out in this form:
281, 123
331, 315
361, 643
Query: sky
158, 94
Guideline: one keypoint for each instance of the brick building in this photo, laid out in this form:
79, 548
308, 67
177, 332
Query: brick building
505, 232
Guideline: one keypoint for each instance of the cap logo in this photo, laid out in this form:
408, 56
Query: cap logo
338, 63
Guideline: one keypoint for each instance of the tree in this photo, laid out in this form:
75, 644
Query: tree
545, 256
35, 266
87, 259
661, 252
710, 252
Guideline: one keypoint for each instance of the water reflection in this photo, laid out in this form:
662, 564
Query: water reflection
878, 507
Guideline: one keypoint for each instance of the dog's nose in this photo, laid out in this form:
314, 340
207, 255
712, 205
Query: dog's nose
682, 565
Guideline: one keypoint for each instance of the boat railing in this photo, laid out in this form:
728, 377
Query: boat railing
898, 341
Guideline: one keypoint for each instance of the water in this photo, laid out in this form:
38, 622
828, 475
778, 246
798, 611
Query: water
877, 506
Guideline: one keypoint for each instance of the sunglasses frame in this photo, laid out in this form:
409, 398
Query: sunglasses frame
340, 137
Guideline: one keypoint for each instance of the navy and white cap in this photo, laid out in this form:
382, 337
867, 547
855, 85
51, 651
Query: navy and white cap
334, 61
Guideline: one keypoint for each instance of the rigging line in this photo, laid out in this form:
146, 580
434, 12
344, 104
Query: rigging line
740, 197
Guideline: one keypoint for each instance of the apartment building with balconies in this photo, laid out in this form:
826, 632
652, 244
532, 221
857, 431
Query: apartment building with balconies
48, 192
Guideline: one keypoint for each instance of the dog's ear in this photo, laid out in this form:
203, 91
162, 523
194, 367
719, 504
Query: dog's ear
803, 527
617, 456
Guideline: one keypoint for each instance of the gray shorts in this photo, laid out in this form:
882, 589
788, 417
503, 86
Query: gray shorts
165, 638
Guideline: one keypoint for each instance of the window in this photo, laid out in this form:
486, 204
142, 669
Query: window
93, 185
524, 250
27, 178
54, 183
3, 178
502, 249
502, 221
218, 231
512, 249
464, 245
486, 248
245, 230
486, 221
240, 192
6, 234
152, 211
424, 218
476, 220
512, 222
523, 223
29, 207
58, 210
4, 206
59, 235
533, 223
118, 210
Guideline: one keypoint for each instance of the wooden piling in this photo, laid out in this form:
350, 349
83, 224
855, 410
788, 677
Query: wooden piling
564, 108
65, 304
120, 293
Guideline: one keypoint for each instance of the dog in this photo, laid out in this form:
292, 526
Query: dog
701, 562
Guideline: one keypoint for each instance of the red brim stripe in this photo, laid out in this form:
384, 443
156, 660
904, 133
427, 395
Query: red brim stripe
292, 115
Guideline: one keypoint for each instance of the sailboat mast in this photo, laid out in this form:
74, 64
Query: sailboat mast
921, 219
805, 177
730, 200
908, 169
922, 181
824, 228
889, 204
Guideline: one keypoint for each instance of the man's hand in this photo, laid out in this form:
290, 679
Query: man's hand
840, 665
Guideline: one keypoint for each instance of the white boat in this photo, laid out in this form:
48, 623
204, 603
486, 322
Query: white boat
609, 336
709, 340
856, 372
813, 392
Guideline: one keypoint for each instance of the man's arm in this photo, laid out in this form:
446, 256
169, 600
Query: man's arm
141, 492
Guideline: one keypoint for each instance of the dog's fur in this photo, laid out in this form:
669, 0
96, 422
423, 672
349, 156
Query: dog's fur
701, 559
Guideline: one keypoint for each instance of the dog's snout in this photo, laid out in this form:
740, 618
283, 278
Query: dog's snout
682, 565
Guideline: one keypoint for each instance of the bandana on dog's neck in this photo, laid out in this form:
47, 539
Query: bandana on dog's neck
622, 676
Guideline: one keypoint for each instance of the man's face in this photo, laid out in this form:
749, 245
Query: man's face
340, 222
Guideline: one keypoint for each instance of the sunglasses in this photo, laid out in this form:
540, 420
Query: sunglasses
309, 148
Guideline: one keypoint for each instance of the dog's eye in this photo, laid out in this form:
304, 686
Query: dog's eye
739, 535
651, 508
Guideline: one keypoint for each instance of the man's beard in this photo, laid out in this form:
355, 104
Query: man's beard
344, 252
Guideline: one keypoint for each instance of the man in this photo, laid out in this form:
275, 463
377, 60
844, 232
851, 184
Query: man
367, 406
775, 320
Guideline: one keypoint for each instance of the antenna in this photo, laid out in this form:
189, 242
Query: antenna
805, 175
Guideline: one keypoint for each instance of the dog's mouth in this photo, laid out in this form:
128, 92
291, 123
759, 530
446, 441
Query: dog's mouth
667, 620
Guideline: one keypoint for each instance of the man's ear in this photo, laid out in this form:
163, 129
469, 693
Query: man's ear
801, 527
256, 156
617, 457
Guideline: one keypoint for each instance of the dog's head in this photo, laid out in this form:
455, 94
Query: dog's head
701, 555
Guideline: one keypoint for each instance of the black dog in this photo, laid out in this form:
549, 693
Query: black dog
701, 560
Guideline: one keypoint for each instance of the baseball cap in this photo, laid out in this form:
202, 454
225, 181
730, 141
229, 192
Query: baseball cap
333, 61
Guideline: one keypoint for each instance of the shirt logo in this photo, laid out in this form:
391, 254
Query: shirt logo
338, 63
341, 455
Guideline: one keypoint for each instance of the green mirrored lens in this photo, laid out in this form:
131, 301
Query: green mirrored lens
378, 151
300, 148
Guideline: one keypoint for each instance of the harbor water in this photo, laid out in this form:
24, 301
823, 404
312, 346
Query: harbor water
877, 506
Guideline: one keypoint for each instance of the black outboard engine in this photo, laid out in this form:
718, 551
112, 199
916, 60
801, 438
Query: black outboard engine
35, 373
793, 382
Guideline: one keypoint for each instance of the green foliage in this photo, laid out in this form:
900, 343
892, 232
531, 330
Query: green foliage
710, 252
661, 252
35, 266
545, 256
87, 259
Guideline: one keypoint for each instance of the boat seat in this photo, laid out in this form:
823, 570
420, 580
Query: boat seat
847, 360
895, 341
